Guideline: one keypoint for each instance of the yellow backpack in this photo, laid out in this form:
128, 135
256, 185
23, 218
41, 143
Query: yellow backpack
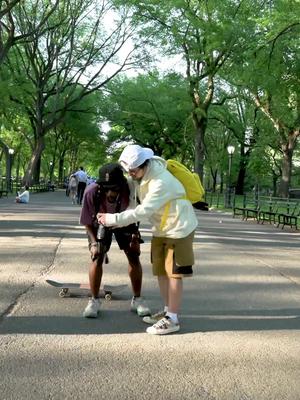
189, 180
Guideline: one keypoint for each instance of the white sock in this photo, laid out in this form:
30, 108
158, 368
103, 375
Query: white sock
173, 317
166, 309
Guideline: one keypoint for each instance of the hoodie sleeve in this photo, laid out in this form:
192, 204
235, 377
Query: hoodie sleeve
156, 197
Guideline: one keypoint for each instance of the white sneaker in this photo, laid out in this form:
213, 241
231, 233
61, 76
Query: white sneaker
152, 319
139, 306
92, 309
163, 327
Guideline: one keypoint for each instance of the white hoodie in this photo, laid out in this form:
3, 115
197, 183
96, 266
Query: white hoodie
158, 188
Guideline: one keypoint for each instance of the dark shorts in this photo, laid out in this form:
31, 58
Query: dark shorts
172, 257
122, 235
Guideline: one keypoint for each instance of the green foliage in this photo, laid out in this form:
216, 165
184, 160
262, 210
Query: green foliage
153, 111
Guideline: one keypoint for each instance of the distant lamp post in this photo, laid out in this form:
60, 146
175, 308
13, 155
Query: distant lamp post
9, 167
51, 171
230, 150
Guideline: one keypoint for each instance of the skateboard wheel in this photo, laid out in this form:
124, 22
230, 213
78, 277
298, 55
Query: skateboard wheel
63, 292
108, 296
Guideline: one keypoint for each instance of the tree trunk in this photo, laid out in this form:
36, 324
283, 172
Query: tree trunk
274, 182
37, 171
287, 151
200, 125
244, 156
31, 174
61, 171
214, 175
239, 189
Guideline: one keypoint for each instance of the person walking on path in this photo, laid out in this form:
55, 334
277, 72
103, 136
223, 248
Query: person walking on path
172, 242
24, 196
81, 177
111, 194
72, 186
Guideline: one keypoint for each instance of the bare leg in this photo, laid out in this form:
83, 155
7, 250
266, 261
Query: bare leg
163, 282
135, 273
95, 276
175, 294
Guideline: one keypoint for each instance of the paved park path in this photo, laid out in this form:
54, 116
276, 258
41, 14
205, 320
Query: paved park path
240, 336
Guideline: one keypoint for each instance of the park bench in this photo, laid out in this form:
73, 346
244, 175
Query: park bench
268, 212
3, 193
40, 187
290, 217
274, 210
249, 209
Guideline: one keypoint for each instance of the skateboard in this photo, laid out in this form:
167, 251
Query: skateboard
65, 288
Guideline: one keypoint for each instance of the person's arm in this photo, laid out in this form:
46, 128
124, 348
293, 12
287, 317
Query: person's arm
24, 194
155, 199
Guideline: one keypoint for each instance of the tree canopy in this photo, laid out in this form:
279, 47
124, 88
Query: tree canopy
64, 70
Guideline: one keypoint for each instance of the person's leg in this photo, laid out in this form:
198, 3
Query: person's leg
83, 185
158, 269
174, 295
171, 292
73, 196
135, 273
178, 260
80, 192
163, 283
95, 276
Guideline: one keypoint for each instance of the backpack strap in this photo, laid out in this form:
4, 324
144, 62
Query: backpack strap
166, 212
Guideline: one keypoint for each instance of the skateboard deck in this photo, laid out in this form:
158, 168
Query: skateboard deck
65, 287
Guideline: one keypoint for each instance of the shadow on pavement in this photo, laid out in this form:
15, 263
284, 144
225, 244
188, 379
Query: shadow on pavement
118, 322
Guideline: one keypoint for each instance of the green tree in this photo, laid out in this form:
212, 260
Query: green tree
153, 111
206, 33
269, 72
12, 13
72, 59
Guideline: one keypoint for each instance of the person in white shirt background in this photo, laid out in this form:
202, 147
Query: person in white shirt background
24, 196
81, 177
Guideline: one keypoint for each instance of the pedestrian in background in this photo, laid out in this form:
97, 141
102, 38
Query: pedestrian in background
72, 188
81, 177
24, 196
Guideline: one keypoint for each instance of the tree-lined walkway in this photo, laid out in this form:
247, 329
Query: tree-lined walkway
240, 317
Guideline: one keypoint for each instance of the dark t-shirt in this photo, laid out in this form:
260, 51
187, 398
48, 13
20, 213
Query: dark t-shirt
94, 201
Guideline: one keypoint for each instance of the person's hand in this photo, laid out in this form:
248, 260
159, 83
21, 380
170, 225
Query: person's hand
101, 218
94, 250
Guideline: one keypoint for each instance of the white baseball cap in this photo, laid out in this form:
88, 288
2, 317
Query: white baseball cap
134, 155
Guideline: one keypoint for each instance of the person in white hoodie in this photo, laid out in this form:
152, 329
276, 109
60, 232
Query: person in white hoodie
172, 242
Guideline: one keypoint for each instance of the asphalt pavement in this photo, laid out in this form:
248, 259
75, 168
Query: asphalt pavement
240, 318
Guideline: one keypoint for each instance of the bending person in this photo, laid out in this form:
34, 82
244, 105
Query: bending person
111, 194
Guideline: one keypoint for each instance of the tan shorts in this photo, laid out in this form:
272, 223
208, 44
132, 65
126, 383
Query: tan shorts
172, 257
